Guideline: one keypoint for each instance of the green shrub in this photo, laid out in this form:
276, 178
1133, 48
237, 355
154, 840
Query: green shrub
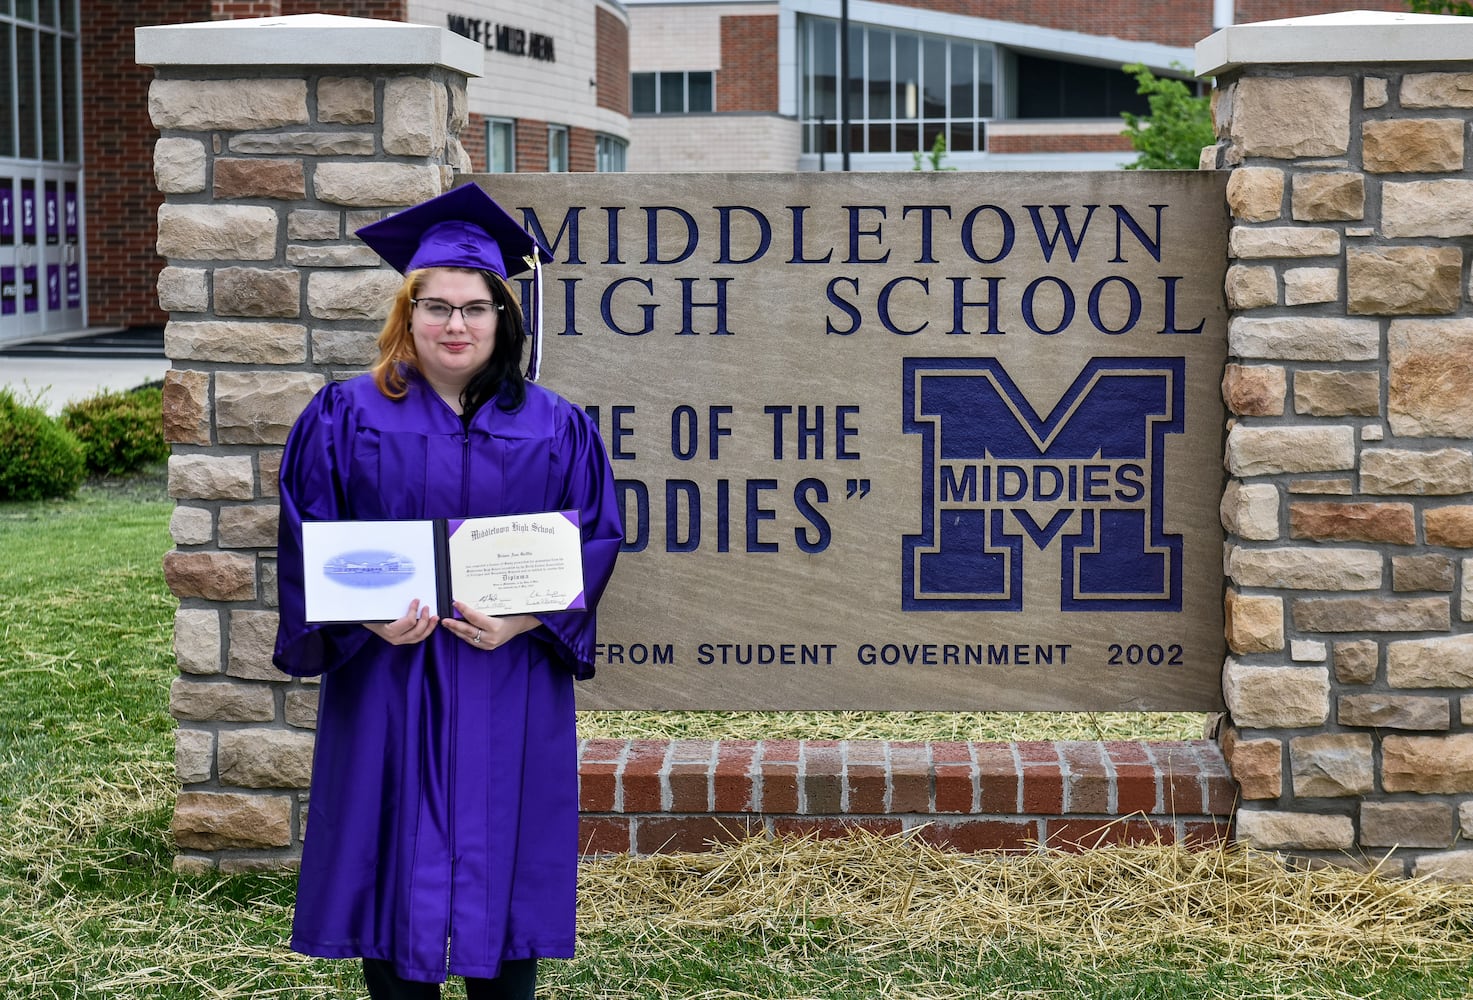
121, 432
39, 458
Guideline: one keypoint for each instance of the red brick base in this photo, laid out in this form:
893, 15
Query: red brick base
647, 796
1064, 142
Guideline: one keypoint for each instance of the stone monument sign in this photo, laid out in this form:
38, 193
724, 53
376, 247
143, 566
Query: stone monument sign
904, 441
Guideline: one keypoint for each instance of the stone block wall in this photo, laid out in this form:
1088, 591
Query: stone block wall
266, 173
1349, 503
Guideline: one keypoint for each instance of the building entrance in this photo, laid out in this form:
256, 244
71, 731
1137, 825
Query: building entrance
41, 191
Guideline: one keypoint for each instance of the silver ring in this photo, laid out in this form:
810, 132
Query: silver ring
477, 637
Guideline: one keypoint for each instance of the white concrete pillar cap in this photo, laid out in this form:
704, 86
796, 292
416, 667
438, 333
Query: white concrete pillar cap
1354, 36
306, 40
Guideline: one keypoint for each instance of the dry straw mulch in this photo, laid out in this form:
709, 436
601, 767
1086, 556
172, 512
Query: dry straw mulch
864, 897
882, 904
977, 726
868, 891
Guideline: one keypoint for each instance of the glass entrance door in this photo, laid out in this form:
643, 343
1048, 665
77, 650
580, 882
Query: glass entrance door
41, 194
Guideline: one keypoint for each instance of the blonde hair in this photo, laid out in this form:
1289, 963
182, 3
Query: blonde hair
395, 341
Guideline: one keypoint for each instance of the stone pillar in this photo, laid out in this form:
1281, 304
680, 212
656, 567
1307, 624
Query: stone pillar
278, 137
1349, 500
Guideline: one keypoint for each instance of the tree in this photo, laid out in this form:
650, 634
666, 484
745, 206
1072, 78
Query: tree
1458, 8
1171, 137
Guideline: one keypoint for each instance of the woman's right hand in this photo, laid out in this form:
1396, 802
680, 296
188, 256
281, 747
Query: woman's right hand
411, 628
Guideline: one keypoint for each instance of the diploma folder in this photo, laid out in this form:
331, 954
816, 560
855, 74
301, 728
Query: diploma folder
369, 571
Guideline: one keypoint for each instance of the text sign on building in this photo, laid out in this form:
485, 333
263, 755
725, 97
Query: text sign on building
899, 441
503, 37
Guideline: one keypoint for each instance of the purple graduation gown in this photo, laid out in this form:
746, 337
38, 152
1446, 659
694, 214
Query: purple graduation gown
443, 826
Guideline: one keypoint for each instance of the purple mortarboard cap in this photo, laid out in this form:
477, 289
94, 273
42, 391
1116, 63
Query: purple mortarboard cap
463, 227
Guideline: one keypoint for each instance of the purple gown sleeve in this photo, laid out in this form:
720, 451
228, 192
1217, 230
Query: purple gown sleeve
588, 487
313, 480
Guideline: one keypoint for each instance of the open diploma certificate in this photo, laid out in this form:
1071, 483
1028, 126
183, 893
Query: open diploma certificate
369, 571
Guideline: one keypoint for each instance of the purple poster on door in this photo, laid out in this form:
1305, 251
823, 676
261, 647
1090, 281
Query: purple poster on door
53, 214
53, 287
69, 212
7, 212
28, 288
72, 231
28, 212
7, 291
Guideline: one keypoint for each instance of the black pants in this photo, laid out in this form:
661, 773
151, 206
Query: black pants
518, 981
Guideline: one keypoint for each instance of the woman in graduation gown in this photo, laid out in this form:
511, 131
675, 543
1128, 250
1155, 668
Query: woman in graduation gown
443, 820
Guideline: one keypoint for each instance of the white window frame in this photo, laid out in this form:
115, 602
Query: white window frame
611, 148
557, 149
659, 81
509, 128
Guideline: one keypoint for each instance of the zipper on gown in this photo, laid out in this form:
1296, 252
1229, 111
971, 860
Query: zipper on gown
453, 673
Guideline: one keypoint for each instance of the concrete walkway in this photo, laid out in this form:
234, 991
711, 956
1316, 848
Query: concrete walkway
68, 368
58, 381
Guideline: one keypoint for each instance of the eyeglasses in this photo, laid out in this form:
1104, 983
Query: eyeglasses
477, 315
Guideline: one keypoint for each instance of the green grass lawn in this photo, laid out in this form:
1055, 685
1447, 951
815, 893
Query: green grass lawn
90, 906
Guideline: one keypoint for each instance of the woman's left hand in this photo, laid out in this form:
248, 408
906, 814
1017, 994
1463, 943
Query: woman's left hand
484, 631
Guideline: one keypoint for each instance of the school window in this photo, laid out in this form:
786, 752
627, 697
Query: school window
557, 149
611, 151
904, 89
501, 146
1053, 88
673, 93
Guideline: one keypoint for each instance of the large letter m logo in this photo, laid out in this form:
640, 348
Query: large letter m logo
1087, 480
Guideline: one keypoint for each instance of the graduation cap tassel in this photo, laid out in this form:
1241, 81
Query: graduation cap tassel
535, 368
